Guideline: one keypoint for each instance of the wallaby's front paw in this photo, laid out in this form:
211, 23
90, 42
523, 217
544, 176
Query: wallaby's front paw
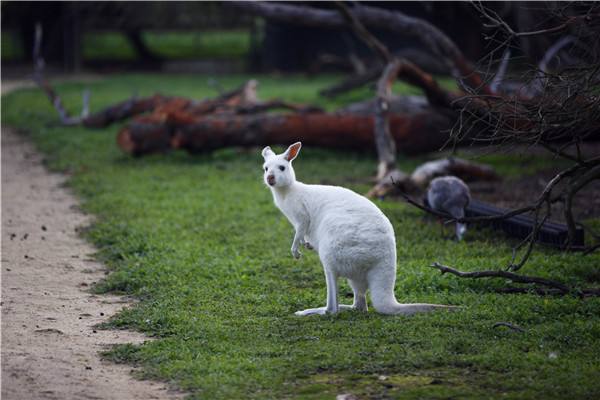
308, 246
296, 253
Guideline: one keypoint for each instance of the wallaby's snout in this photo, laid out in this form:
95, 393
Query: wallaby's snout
271, 180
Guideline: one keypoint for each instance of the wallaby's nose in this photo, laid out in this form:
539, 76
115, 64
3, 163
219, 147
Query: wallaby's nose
271, 180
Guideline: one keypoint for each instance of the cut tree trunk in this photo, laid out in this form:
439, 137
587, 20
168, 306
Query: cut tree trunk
413, 134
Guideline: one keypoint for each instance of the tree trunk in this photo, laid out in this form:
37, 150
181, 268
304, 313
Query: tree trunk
418, 133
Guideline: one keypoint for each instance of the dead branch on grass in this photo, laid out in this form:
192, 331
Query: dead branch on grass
509, 326
38, 78
548, 286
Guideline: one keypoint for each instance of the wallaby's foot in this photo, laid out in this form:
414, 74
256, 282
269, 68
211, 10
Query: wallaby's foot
323, 310
296, 253
312, 311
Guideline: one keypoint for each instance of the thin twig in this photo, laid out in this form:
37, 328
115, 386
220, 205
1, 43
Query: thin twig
532, 239
576, 186
497, 22
536, 86
485, 218
509, 325
428, 210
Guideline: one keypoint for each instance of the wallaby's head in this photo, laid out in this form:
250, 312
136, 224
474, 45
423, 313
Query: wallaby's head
278, 167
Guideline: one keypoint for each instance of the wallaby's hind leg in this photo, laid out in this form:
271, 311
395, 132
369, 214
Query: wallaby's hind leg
360, 296
332, 302
382, 280
381, 284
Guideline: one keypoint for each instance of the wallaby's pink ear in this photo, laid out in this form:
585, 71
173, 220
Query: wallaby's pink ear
292, 151
267, 152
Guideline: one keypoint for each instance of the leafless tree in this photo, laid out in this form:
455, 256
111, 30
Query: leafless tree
554, 105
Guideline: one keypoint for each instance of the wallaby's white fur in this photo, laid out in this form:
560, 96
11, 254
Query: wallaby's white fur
353, 238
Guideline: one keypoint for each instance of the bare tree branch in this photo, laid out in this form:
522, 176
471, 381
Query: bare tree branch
495, 21
366, 36
550, 287
384, 143
587, 177
536, 86
450, 219
502, 274
433, 38
55, 100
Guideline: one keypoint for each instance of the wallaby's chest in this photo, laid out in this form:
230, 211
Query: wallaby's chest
293, 207
294, 214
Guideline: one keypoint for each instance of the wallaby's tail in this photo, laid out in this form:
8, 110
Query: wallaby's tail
395, 308
381, 286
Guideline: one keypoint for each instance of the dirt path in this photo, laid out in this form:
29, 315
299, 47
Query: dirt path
49, 345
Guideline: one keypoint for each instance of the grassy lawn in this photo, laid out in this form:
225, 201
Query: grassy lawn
198, 240
112, 45
172, 45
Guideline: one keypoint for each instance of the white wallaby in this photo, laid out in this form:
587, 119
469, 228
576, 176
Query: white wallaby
353, 238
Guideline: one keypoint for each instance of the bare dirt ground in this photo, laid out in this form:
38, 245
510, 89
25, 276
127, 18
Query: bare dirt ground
49, 344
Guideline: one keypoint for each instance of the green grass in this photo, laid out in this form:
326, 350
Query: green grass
172, 45
107, 46
207, 44
199, 242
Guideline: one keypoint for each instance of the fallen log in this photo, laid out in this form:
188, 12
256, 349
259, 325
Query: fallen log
123, 110
399, 182
417, 133
466, 170
244, 95
150, 134
551, 233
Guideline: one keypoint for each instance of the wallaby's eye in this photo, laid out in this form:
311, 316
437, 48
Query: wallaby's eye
281, 168
266, 169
